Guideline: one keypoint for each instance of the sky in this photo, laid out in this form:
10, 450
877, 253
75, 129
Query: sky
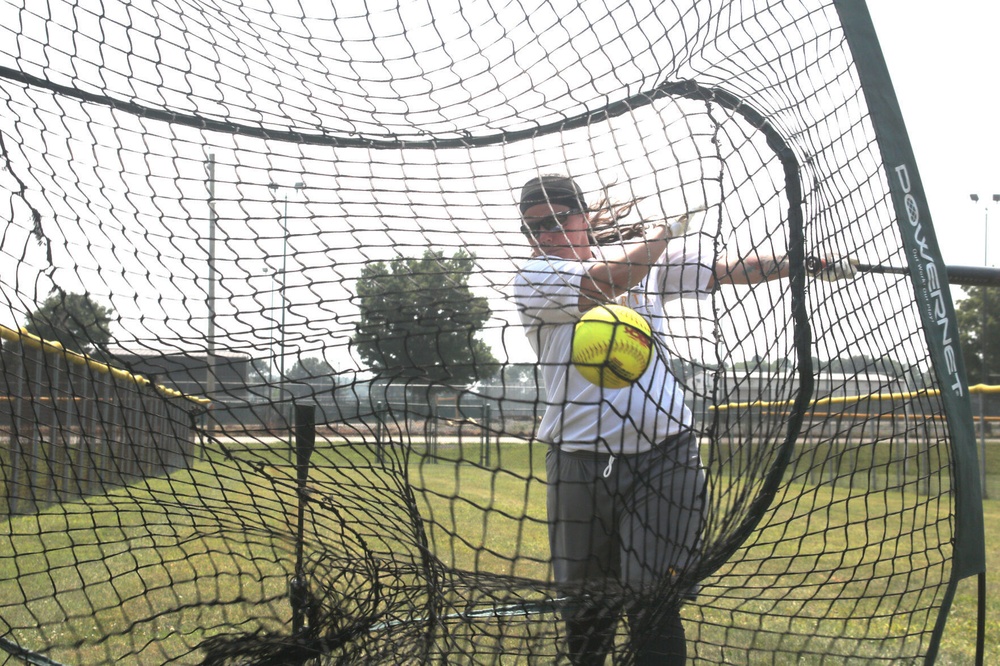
944, 60
944, 66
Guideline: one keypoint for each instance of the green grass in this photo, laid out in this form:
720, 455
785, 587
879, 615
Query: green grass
211, 548
826, 568
960, 633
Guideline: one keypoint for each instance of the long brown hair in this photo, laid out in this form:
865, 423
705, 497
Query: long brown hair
608, 213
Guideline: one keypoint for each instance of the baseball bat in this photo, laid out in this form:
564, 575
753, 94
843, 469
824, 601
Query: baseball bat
979, 276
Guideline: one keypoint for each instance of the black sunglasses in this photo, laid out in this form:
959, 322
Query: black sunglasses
547, 223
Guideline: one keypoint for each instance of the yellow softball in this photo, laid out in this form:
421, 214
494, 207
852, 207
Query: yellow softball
612, 346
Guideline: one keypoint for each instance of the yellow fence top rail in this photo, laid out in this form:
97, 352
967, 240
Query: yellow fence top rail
850, 399
49, 347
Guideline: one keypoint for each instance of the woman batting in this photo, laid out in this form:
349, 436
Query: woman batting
625, 479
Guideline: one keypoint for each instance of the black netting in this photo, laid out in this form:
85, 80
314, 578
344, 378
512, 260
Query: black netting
290, 413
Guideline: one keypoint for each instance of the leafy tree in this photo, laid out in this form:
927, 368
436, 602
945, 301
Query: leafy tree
419, 320
971, 328
862, 363
260, 371
309, 368
521, 374
74, 320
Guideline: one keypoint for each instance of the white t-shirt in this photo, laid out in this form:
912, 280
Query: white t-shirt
579, 415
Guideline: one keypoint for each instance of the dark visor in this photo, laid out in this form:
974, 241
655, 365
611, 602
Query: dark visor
548, 223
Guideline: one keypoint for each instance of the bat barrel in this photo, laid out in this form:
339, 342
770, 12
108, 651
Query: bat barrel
982, 276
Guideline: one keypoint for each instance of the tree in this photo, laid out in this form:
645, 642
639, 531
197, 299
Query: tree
260, 371
521, 374
419, 320
311, 368
74, 320
859, 363
969, 313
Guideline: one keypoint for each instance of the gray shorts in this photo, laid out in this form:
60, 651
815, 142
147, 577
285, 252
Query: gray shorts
632, 527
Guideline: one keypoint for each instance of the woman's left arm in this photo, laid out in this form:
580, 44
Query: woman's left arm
763, 268
751, 270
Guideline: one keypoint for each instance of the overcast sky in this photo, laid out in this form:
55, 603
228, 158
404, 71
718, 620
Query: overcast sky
944, 60
944, 66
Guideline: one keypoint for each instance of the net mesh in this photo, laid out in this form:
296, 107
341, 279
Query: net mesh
305, 430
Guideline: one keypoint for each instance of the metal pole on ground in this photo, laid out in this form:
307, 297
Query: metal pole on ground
484, 440
305, 443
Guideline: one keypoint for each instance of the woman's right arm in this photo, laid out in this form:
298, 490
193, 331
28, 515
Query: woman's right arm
614, 274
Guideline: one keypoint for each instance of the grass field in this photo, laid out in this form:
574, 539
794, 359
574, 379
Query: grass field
145, 573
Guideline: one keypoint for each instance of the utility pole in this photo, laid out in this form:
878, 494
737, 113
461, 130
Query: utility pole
212, 222
283, 285
983, 310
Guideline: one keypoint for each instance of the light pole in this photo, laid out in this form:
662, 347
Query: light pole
284, 280
983, 308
